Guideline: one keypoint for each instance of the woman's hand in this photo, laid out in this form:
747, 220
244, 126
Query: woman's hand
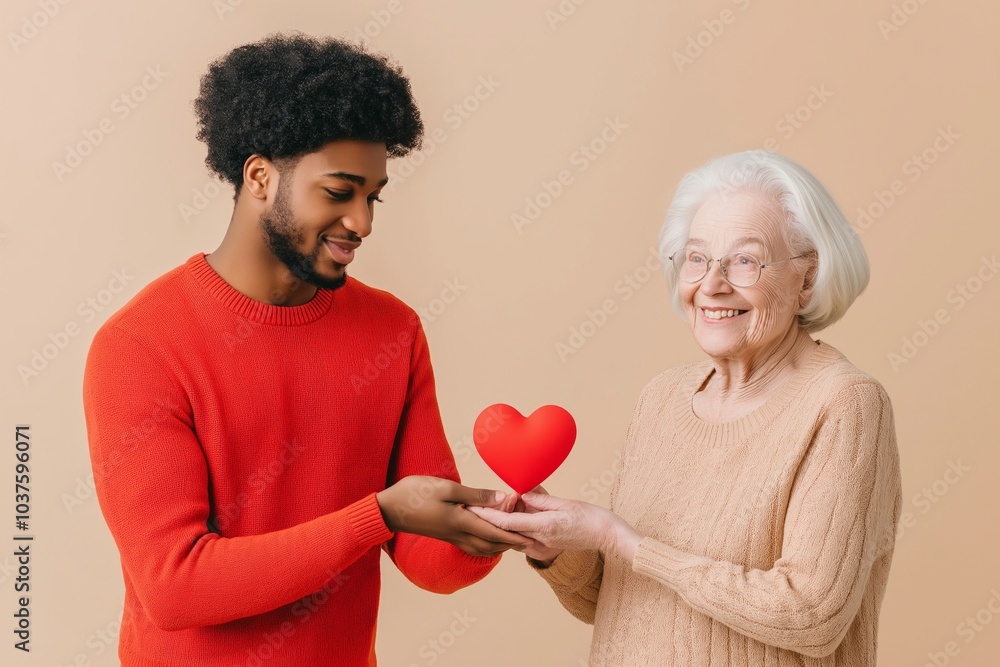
557, 524
538, 551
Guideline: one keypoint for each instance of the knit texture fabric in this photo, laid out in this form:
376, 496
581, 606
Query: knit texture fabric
237, 447
767, 539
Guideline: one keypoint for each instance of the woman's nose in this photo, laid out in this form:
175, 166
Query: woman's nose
715, 281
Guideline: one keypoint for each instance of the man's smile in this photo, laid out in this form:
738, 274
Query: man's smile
342, 251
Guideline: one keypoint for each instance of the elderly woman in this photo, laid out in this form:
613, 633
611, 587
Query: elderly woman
753, 519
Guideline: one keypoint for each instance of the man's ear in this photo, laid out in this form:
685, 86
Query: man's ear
260, 177
809, 280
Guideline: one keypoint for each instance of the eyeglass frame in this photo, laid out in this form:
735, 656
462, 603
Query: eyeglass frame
725, 269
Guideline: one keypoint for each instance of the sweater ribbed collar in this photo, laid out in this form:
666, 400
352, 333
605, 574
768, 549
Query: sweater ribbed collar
251, 309
689, 425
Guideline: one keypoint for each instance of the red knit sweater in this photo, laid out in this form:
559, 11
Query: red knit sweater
237, 447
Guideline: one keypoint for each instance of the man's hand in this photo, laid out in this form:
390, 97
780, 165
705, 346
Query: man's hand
436, 508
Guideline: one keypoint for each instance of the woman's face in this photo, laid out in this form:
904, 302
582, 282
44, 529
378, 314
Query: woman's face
765, 312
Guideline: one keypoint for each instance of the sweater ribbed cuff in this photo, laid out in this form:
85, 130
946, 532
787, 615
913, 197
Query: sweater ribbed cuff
365, 518
660, 561
570, 569
482, 562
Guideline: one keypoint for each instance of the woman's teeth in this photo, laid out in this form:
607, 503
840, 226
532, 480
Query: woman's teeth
719, 314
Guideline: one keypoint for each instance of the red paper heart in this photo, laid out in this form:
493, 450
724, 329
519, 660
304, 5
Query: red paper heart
524, 451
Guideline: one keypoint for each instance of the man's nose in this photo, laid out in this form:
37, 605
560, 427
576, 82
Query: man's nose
359, 220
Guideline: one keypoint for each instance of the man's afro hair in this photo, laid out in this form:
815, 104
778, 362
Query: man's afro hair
288, 95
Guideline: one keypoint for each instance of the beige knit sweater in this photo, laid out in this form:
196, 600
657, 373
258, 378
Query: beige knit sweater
767, 539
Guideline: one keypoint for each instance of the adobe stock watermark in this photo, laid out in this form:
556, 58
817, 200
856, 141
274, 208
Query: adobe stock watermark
601, 484
795, 120
432, 650
225, 7
226, 514
957, 298
898, 17
604, 482
425, 490
32, 24
561, 12
121, 108
930, 495
302, 611
971, 627
7, 569
87, 310
84, 488
579, 161
373, 367
201, 199
381, 18
99, 642
614, 651
391, 350
451, 291
454, 117
737, 181
595, 320
698, 43
914, 167
787, 126
245, 328
461, 450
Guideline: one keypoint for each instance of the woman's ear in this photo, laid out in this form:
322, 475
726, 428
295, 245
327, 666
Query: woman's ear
809, 279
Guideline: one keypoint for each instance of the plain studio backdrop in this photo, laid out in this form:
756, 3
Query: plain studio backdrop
524, 233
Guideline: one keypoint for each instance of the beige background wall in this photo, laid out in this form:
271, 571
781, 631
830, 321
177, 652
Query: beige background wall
892, 103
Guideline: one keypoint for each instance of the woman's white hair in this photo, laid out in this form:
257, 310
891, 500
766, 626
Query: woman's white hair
813, 223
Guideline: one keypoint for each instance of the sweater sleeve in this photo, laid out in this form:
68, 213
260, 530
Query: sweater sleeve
421, 448
840, 519
576, 576
153, 486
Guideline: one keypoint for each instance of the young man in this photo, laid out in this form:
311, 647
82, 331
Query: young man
248, 481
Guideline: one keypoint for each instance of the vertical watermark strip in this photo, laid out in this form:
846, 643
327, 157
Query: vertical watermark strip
22, 541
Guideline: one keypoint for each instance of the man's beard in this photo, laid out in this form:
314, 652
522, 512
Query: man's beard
283, 238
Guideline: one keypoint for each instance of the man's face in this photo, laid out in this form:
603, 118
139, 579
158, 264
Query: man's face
324, 206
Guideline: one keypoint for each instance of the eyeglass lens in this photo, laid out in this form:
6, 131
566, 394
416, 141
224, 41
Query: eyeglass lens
741, 269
